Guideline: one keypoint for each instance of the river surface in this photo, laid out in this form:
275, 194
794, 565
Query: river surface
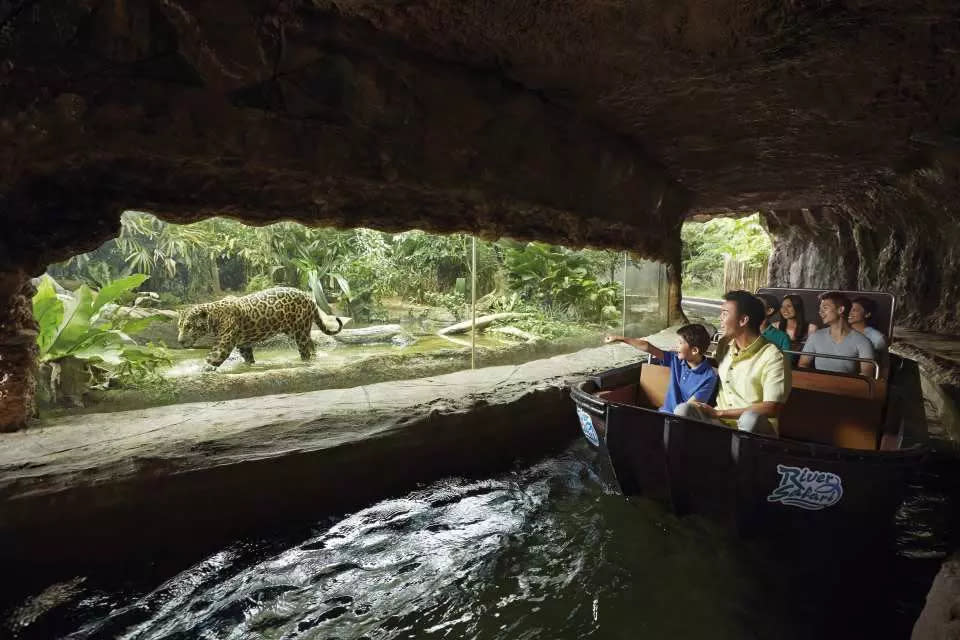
544, 551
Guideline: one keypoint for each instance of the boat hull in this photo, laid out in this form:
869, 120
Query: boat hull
752, 483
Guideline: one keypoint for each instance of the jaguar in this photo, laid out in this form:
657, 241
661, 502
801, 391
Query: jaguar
243, 321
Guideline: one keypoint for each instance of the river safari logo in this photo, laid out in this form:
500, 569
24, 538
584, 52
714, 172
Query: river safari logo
807, 489
586, 425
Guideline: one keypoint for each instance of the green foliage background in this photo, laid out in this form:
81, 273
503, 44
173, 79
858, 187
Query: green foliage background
705, 244
357, 268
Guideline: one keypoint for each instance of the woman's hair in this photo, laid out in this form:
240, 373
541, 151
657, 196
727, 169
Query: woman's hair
801, 333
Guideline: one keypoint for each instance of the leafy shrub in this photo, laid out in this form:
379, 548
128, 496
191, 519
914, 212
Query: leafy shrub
559, 279
259, 283
453, 302
705, 244
84, 327
548, 328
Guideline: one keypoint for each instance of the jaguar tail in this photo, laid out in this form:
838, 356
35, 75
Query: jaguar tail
320, 318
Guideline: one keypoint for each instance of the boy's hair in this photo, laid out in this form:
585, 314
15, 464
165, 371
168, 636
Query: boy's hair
747, 305
695, 336
769, 301
869, 308
838, 299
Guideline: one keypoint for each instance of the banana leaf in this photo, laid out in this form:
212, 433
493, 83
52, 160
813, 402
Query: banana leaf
48, 311
136, 325
107, 346
75, 325
313, 278
113, 290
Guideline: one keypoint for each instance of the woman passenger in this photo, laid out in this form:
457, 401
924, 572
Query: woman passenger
793, 321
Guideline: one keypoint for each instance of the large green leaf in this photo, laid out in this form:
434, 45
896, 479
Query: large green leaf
48, 311
137, 353
344, 285
134, 326
74, 328
111, 353
107, 346
314, 279
116, 288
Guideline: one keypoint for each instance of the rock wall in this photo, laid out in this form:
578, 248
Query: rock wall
18, 350
901, 237
286, 111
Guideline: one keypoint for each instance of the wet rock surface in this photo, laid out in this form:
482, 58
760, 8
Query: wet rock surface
939, 618
900, 237
210, 469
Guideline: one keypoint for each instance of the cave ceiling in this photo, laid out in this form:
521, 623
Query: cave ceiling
597, 122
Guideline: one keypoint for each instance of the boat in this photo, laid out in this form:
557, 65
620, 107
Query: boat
847, 447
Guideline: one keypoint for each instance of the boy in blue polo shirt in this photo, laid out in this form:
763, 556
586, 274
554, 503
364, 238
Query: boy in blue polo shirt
691, 376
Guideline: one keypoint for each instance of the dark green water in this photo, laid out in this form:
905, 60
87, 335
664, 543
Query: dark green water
545, 551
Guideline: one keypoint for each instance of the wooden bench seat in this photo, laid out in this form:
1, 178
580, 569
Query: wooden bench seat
650, 392
839, 410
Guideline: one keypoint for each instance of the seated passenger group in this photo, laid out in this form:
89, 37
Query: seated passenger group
754, 374
837, 338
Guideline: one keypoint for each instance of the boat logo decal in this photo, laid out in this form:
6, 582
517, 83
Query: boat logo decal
586, 424
807, 489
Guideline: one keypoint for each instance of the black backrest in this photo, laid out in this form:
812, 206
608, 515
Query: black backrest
882, 319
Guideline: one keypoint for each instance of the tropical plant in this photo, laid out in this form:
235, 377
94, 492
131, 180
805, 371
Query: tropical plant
707, 244
423, 262
452, 301
89, 328
560, 279
171, 252
546, 327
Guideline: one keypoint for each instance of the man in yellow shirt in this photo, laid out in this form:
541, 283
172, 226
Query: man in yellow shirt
754, 374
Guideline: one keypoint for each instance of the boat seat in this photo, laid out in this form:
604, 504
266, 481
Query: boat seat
839, 410
624, 395
835, 409
654, 382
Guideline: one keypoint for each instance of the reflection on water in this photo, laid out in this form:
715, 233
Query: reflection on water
543, 552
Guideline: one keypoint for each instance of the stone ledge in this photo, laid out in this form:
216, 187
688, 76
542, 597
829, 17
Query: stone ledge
96, 486
939, 360
940, 618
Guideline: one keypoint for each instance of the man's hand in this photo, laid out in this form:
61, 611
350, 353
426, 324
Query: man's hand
611, 339
707, 409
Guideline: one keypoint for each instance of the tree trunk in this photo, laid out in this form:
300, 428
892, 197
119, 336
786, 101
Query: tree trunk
482, 323
674, 294
368, 335
215, 277
18, 351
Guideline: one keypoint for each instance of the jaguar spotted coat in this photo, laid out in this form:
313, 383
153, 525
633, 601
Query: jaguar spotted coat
242, 322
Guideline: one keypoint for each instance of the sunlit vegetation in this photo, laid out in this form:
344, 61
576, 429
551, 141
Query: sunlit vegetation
707, 244
95, 321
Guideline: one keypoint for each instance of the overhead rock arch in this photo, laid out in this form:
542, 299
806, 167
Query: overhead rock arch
585, 122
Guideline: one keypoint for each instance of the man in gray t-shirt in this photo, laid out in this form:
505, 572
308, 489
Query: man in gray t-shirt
838, 338
853, 345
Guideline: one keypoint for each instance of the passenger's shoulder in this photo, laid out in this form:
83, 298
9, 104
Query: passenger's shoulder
771, 351
876, 336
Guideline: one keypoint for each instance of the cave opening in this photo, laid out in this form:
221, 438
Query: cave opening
108, 318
